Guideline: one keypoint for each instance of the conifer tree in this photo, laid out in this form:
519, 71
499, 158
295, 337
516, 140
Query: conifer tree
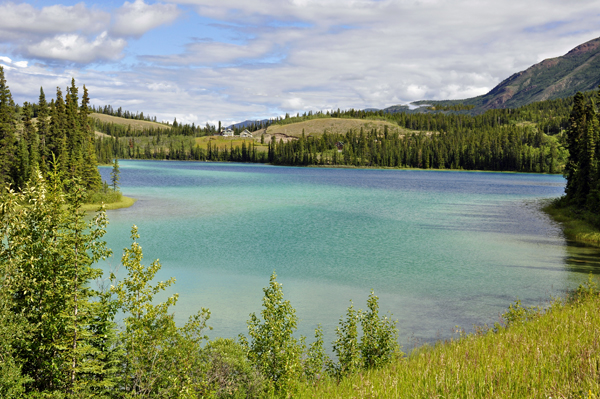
42, 130
8, 142
115, 175
56, 139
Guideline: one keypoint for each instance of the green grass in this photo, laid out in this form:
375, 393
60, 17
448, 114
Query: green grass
552, 354
134, 123
577, 224
110, 199
226, 142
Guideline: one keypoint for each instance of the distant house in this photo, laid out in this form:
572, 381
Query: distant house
245, 133
340, 146
227, 132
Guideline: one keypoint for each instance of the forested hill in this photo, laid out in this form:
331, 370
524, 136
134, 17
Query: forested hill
560, 77
527, 139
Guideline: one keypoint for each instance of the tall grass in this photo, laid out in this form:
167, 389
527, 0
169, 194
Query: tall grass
540, 354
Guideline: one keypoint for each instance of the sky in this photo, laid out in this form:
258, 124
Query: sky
204, 61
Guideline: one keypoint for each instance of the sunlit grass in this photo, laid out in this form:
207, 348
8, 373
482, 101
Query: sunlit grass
555, 354
224, 142
111, 200
575, 224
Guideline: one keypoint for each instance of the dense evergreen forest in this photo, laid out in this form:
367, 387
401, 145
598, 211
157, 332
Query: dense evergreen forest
582, 170
528, 139
61, 133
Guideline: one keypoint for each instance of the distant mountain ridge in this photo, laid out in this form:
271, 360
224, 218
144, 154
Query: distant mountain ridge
560, 77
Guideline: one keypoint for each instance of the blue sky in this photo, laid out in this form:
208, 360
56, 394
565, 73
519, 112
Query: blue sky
203, 61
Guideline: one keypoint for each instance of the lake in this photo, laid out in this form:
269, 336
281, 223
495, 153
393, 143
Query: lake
441, 249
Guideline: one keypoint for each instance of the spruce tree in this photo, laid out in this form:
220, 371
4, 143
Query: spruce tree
8, 142
56, 140
42, 130
31, 137
115, 175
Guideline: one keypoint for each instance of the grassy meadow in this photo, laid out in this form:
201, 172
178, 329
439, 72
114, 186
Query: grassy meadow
227, 142
134, 123
334, 125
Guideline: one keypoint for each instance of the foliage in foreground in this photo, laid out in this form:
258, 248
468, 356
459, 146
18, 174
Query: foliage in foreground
59, 338
536, 354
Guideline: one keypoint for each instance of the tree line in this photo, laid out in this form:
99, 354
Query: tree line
61, 132
582, 169
528, 139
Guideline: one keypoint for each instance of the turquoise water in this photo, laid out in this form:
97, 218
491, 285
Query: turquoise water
440, 249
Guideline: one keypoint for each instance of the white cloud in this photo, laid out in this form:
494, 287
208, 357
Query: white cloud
210, 53
76, 48
137, 18
275, 56
53, 19
58, 33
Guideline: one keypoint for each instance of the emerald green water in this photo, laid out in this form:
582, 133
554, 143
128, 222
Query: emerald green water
440, 249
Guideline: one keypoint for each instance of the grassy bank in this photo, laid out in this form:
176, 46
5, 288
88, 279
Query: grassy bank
554, 354
578, 225
110, 199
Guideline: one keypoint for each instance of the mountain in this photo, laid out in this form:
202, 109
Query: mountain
560, 77
247, 123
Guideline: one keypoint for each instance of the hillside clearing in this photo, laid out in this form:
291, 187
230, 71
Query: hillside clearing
334, 125
134, 123
227, 142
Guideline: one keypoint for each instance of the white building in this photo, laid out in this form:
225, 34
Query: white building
245, 133
227, 133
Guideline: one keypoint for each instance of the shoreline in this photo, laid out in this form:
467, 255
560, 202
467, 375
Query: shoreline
574, 228
125, 202
343, 167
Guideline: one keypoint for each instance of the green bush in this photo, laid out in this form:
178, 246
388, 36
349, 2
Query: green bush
228, 373
273, 349
378, 345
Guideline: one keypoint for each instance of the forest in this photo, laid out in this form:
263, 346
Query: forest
62, 132
531, 138
581, 201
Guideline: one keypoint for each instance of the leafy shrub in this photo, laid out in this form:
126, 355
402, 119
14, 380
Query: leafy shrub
378, 345
227, 371
272, 348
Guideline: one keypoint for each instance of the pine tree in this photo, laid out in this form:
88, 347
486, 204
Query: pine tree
8, 142
42, 130
56, 139
574, 135
31, 137
115, 175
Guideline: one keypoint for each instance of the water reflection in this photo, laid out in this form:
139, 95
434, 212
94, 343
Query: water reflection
582, 259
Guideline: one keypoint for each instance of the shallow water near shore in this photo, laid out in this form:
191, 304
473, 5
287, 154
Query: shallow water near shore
440, 249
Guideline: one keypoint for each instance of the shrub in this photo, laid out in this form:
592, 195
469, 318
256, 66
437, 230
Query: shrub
378, 345
227, 371
272, 348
